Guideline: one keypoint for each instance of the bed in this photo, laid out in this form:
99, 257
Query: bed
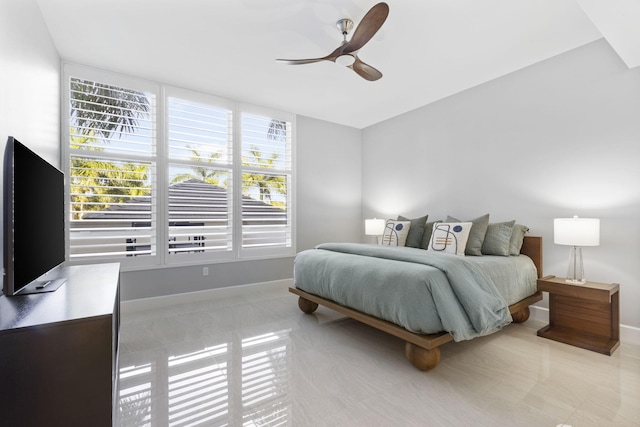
377, 286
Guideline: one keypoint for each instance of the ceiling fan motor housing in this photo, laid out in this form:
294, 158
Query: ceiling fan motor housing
344, 25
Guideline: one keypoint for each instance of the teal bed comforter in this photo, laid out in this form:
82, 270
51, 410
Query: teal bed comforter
422, 291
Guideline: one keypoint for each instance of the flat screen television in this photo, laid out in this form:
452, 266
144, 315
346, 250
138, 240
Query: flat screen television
33, 221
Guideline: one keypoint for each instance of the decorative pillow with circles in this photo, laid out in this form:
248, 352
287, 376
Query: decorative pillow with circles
450, 237
395, 232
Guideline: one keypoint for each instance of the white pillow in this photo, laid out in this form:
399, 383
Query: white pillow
450, 237
395, 232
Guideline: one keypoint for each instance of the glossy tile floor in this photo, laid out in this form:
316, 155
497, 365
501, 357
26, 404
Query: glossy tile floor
256, 360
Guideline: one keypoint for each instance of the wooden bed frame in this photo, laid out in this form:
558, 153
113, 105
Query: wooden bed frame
422, 349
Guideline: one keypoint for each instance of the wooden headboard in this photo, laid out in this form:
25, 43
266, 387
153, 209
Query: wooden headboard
532, 247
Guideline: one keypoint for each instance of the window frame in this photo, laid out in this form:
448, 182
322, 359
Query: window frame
161, 162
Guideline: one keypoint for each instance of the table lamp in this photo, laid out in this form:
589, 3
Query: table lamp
576, 232
374, 227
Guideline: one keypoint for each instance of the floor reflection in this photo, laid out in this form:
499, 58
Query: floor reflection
256, 360
243, 380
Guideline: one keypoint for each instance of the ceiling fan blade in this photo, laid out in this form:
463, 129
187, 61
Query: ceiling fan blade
300, 61
331, 57
368, 27
365, 71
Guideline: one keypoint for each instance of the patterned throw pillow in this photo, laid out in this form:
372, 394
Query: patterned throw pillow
395, 233
476, 237
450, 237
426, 237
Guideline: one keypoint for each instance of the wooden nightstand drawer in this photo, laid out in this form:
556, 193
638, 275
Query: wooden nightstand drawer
585, 315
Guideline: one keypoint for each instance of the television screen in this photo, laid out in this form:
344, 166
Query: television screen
33, 218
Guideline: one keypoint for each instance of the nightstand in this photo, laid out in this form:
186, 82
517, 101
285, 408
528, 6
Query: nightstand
585, 315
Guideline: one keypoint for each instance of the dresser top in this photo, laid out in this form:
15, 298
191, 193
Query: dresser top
89, 291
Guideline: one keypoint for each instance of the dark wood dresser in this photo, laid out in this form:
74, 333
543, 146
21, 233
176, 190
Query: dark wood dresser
59, 351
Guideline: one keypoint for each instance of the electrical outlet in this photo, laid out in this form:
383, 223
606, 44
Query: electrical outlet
205, 271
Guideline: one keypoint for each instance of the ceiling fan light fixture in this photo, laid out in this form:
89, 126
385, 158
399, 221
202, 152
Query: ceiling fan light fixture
345, 60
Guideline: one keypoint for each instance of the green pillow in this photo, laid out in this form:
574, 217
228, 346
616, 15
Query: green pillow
498, 238
476, 236
426, 237
416, 230
517, 237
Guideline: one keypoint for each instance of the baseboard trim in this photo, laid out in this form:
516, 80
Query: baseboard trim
160, 302
539, 313
628, 334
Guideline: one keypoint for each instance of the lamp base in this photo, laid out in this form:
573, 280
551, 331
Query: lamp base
575, 271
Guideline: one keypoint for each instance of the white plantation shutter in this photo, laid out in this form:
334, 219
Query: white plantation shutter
158, 175
266, 181
111, 171
200, 200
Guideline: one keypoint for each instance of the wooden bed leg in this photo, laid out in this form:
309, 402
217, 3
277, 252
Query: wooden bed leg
422, 358
521, 316
307, 306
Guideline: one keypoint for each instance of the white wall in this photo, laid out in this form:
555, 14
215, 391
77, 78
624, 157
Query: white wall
329, 183
30, 80
557, 139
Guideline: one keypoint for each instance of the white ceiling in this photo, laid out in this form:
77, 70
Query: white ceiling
427, 49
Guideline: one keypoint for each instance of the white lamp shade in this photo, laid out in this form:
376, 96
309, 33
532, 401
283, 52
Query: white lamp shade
576, 231
374, 227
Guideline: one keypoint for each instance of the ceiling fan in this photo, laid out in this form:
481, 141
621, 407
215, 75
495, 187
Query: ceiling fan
347, 53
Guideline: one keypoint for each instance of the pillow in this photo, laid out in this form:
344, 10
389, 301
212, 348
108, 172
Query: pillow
416, 231
395, 232
426, 237
497, 241
517, 237
476, 237
450, 237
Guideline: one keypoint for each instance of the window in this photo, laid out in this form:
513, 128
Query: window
111, 171
159, 175
200, 178
266, 177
